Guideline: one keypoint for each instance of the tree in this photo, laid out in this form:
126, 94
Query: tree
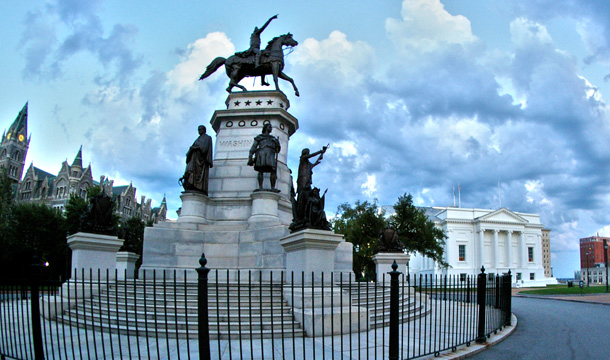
132, 232
39, 229
361, 225
75, 208
416, 231
6, 216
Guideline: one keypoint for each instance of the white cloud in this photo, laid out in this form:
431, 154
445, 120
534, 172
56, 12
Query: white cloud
427, 26
338, 58
526, 32
183, 79
370, 186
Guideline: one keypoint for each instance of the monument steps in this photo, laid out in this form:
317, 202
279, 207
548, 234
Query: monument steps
376, 297
170, 309
256, 310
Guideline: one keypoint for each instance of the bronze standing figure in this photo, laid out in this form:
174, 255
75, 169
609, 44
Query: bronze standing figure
198, 163
263, 156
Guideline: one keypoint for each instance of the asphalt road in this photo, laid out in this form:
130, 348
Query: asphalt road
556, 330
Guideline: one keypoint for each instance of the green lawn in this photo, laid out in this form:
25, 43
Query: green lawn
565, 290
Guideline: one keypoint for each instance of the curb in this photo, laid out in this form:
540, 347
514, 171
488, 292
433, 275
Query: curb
464, 351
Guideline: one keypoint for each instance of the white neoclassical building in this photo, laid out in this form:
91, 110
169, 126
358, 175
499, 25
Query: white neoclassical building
500, 240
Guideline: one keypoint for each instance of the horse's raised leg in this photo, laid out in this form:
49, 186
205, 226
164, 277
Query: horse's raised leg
234, 79
275, 71
283, 76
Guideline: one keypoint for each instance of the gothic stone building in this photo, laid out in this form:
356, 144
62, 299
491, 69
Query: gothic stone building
40, 186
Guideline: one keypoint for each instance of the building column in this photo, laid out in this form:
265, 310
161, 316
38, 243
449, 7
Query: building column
522, 251
538, 251
495, 245
481, 248
510, 248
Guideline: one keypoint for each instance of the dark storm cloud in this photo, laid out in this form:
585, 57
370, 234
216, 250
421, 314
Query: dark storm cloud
45, 53
445, 118
152, 94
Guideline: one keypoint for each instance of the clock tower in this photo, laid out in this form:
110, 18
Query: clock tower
14, 146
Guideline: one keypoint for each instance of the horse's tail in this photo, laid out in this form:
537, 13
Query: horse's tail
214, 65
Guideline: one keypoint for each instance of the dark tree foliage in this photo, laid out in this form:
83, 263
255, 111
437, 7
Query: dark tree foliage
361, 226
132, 231
41, 230
6, 215
416, 231
75, 208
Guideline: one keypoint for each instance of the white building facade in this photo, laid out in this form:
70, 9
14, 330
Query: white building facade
499, 240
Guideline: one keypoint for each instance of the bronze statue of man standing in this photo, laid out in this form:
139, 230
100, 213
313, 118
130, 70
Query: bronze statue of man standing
198, 163
263, 156
255, 41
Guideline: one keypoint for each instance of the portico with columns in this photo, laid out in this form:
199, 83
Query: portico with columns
499, 240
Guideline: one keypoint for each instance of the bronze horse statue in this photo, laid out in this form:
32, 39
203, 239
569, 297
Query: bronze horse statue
242, 64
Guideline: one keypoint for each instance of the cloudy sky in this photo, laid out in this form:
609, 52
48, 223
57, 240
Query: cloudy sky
505, 98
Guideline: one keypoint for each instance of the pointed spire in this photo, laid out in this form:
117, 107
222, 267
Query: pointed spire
78, 160
19, 129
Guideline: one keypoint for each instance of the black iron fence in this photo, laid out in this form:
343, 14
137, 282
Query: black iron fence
227, 314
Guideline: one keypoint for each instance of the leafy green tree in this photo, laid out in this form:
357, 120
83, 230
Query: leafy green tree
75, 208
39, 229
416, 231
361, 225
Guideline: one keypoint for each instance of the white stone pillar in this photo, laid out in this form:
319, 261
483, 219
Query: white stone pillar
264, 207
311, 251
193, 207
510, 248
91, 252
383, 264
126, 264
481, 249
522, 251
495, 245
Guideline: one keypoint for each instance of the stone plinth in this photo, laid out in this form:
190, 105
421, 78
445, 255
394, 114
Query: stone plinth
126, 264
91, 252
264, 207
324, 311
383, 264
193, 209
308, 251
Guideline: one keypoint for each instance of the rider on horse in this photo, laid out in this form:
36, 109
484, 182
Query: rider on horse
255, 42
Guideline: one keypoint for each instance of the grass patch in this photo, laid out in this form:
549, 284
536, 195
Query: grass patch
565, 290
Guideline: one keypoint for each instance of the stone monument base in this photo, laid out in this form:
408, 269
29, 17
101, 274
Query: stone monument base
383, 264
311, 252
324, 311
93, 255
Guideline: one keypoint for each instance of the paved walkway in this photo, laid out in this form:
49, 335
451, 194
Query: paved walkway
65, 342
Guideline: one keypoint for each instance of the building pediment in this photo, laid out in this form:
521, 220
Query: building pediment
502, 215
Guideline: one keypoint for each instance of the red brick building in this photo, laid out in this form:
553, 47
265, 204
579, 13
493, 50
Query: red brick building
592, 251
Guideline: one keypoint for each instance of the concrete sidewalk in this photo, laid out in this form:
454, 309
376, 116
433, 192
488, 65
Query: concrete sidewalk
65, 342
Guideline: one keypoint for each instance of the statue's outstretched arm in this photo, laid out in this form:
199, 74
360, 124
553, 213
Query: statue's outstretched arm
267, 23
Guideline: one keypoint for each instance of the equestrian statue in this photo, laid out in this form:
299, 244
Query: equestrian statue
256, 62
